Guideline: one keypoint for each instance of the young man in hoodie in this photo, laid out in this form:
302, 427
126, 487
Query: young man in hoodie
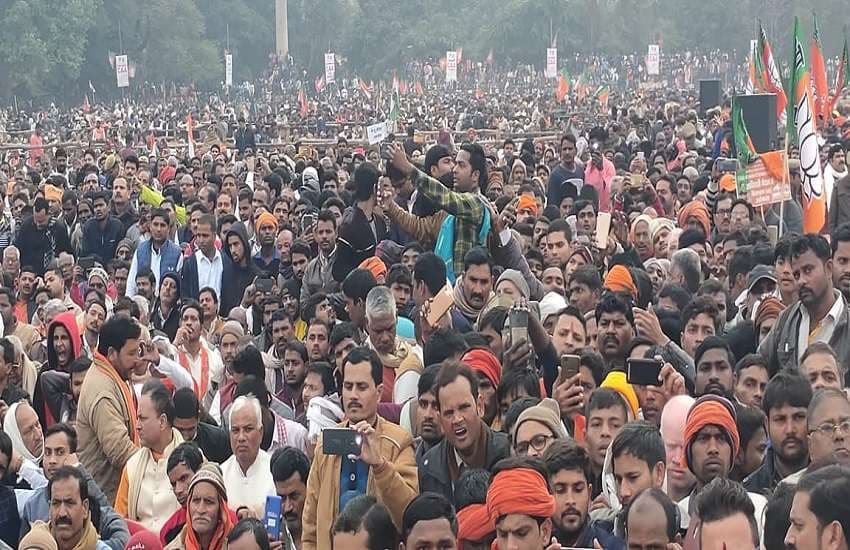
63, 346
238, 250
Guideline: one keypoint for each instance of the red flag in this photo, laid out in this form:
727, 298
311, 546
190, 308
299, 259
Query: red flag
320, 84
772, 77
418, 87
302, 102
821, 88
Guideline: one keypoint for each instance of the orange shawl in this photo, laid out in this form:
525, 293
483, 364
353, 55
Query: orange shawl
225, 524
102, 364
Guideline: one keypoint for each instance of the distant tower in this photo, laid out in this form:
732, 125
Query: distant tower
281, 29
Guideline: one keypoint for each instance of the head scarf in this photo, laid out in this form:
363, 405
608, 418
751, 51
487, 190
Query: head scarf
527, 203
374, 264
483, 361
39, 538
711, 410
769, 308
473, 523
619, 279
100, 273
519, 491
52, 193
266, 219
661, 263
642, 218
517, 279
616, 380
657, 224
209, 473
551, 304
10, 426
696, 210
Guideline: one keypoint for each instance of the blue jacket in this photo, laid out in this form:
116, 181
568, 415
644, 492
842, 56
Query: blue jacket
102, 244
170, 256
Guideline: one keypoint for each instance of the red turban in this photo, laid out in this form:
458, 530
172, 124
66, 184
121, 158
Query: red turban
474, 524
620, 280
769, 308
481, 360
519, 491
711, 410
695, 209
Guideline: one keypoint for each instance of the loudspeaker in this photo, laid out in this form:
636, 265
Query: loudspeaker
760, 118
710, 95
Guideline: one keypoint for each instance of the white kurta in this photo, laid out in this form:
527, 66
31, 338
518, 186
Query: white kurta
252, 488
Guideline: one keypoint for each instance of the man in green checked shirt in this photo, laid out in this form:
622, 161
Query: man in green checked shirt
465, 203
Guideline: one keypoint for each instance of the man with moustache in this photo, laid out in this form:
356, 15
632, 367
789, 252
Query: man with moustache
840, 242
821, 314
785, 403
715, 375
70, 512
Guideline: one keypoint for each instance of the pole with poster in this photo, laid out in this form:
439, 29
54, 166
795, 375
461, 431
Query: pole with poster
551, 62
653, 60
451, 66
228, 69
330, 68
122, 71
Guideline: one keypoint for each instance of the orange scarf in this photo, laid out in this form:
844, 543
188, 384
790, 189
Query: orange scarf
201, 390
225, 524
103, 365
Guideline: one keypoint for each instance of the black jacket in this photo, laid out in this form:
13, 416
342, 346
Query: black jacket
39, 246
242, 276
190, 288
356, 241
213, 441
765, 479
102, 244
434, 473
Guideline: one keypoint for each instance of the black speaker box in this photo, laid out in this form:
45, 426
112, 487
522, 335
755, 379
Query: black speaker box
760, 118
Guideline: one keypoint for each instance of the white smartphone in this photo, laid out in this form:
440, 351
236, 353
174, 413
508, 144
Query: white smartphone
603, 227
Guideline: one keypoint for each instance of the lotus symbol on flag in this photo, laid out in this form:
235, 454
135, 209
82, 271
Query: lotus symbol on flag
809, 155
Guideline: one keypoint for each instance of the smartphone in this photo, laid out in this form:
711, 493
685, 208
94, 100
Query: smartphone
340, 441
569, 366
264, 285
440, 305
273, 517
86, 263
385, 151
727, 165
773, 234
643, 372
519, 325
603, 227
306, 221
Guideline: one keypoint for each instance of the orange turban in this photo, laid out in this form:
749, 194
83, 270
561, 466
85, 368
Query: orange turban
52, 193
711, 410
481, 360
728, 183
695, 209
620, 280
266, 219
474, 523
374, 265
769, 308
519, 491
527, 203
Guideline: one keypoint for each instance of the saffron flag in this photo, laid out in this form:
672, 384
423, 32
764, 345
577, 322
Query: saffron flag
303, 109
190, 131
772, 77
842, 79
563, 86
802, 132
821, 88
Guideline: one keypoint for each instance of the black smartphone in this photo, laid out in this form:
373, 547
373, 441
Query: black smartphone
519, 325
643, 372
264, 285
727, 165
569, 366
86, 263
306, 221
341, 441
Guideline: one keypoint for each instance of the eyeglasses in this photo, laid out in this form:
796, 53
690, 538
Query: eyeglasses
538, 443
829, 430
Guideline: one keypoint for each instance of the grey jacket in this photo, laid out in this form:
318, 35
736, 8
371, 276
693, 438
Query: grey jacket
839, 207
112, 529
780, 347
317, 279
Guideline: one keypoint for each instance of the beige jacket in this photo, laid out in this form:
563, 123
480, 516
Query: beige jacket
394, 487
103, 431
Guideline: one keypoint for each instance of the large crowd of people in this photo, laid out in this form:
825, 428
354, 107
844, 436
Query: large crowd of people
515, 323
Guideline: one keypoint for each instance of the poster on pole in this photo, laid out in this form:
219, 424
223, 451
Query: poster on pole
122, 71
330, 68
451, 66
653, 60
228, 70
376, 133
551, 62
765, 183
